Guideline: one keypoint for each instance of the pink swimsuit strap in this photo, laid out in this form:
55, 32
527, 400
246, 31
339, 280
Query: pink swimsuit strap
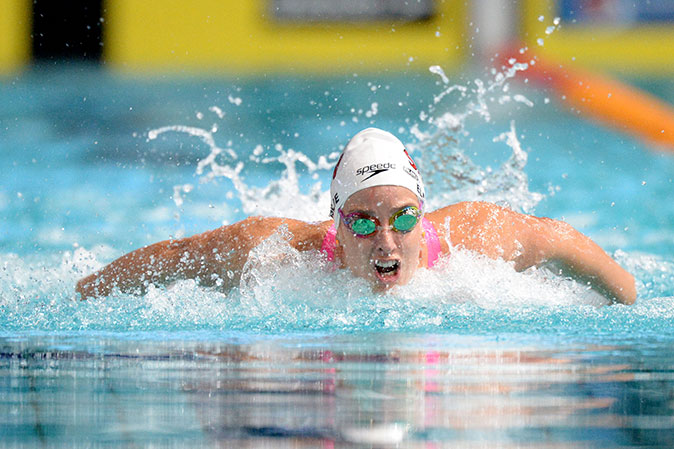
432, 242
330, 242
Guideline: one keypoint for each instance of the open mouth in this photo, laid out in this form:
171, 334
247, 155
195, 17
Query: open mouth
387, 268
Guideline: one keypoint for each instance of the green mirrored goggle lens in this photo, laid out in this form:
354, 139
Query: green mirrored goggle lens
405, 222
363, 226
402, 221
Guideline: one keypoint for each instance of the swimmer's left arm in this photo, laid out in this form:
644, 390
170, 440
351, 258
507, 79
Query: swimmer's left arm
549, 240
501, 233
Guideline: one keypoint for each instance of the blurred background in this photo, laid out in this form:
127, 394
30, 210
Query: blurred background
325, 36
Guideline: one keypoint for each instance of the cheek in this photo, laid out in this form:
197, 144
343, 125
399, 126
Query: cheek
358, 249
351, 249
412, 256
411, 244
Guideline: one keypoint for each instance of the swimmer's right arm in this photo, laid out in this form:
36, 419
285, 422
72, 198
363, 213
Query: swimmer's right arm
208, 257
133, 272
196, 257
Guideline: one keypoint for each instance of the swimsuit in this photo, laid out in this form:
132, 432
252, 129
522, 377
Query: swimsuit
432, 242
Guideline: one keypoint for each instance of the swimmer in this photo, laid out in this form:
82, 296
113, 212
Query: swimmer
380, 230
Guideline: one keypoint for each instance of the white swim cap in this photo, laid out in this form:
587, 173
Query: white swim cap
373, 157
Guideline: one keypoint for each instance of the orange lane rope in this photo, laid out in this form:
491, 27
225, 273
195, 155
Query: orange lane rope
609, 101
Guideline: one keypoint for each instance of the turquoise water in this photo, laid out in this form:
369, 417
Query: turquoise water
469, 355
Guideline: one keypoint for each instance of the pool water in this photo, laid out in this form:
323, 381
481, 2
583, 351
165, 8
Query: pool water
471, 354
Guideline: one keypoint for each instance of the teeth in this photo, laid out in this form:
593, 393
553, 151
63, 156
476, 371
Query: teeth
386, 267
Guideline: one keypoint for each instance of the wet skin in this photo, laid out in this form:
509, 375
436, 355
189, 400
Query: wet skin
385, 258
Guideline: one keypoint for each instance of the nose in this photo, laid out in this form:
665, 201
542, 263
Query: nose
385, 240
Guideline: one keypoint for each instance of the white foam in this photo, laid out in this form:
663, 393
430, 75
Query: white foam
284, 289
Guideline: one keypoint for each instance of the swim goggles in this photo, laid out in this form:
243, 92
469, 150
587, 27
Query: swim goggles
363, 225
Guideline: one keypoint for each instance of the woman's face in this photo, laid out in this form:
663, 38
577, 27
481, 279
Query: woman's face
386, 257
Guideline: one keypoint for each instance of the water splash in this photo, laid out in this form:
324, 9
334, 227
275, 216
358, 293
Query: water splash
448, 171
284, 290
283, 195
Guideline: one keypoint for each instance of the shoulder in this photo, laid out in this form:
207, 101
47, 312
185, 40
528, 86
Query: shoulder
487, 227
480, 213
253, 230
468, 214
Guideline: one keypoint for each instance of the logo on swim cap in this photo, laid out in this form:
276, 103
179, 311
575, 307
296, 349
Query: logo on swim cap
414, 166
420, 192
374, 169
334, 172
412, 173
333, 204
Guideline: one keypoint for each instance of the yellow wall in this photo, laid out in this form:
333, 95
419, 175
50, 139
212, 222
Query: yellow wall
240, 36
14, 34
641, 49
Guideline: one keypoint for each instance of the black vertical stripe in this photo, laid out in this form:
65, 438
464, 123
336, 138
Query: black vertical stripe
67, 29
